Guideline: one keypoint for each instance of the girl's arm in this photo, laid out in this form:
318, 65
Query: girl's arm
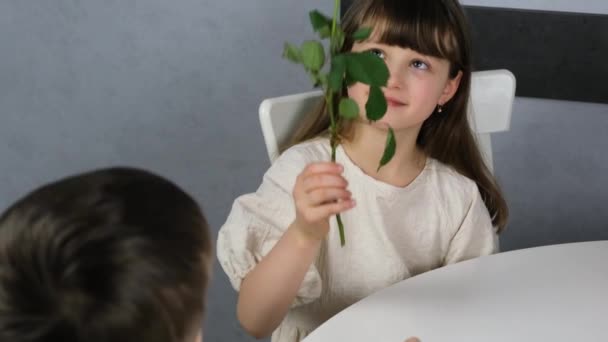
270, 288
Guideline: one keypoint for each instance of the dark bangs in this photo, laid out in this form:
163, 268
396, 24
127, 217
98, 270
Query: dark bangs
421, 25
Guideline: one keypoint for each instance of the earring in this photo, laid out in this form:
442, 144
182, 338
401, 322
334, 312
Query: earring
439, 108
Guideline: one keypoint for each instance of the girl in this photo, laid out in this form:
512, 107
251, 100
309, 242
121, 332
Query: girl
434, 204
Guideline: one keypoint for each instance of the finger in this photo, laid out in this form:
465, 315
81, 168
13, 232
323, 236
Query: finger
412, 339
323, 180
327, 195
326, 210
322, 167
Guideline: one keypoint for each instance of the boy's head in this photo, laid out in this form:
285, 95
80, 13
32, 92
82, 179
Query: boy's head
112, 255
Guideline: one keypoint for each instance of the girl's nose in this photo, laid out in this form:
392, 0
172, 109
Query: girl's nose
395, 78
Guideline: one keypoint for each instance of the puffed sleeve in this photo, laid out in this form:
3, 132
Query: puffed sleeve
476, 235
258, 220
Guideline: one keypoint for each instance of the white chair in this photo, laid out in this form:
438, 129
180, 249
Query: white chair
490, 108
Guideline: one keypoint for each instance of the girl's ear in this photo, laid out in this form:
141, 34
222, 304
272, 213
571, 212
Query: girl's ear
450, 89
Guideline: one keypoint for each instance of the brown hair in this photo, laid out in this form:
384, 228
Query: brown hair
436, 28
112, 255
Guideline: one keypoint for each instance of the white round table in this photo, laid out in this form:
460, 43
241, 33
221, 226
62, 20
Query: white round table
552, 293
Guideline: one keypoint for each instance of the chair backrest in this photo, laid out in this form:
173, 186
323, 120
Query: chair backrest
490, 108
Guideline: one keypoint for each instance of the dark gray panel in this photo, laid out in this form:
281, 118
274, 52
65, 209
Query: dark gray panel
344, 4
554, 55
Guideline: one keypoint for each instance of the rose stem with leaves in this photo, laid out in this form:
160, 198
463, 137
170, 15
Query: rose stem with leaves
345, 69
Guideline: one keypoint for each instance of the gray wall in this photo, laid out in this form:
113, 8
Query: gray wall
172, 86
175, 86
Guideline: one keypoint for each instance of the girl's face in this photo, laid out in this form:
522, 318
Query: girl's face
416, 85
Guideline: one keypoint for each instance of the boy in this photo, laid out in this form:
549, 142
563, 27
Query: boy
111, 255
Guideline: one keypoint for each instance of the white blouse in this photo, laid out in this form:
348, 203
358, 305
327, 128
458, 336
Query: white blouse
392, 234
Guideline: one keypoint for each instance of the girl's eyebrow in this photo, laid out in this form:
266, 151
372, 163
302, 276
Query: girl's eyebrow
426, 58
371, 42
415, 54
421, 56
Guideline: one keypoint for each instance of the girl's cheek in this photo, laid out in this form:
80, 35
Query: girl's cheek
358, 91
352, 90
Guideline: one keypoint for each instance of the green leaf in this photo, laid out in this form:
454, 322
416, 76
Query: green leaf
389, 148
313, 55
336, 74
316, 81
322, 78
348, 108
325, 32
291, 53
367, 68
349, 80
319, 21
362, 33
376, 105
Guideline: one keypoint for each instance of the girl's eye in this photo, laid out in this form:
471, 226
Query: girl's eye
420, 65
377, 52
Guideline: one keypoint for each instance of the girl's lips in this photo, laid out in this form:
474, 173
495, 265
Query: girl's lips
391, 102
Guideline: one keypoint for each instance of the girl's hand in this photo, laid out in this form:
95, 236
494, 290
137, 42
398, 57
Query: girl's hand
320, 192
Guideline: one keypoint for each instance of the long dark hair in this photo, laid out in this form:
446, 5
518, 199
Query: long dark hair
436, 28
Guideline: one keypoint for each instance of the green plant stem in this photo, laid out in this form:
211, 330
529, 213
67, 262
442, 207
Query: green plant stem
335, 19
329, 99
